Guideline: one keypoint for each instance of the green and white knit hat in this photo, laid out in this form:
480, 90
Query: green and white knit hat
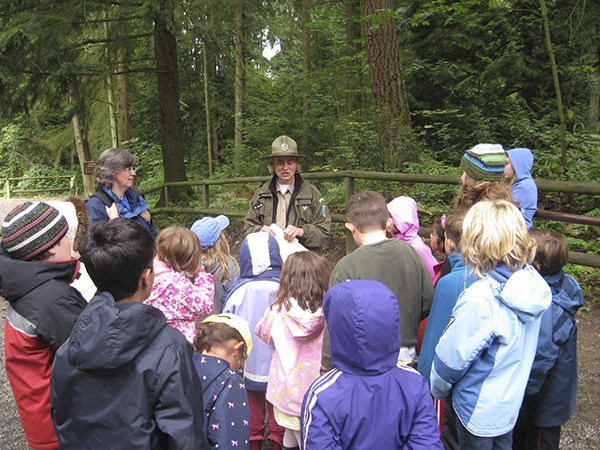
32, 228
484, 162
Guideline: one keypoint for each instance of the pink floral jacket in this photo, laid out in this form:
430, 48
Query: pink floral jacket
297, 336
182, 301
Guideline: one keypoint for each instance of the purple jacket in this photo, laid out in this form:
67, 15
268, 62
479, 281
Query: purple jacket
404, 213
368, 401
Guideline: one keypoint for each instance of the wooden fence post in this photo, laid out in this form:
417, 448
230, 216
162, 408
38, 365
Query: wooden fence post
349, 187
7, 189
205, 196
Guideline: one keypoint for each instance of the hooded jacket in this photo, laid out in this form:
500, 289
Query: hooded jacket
485, 355
250, 294
368, 401
552, 387
125, 379
307, 210
297, 336
524, 189
182, 301
42, 308
447, 292
405, 214
226, 410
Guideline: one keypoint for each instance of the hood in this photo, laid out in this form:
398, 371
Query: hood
523, 291
404, 213
259, 252
108, 335
521, 160
364, 326
303, 324
565, 292
18, 278
161, 267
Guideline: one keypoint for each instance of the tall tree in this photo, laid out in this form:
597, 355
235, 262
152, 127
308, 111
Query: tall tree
240, 74
165, 47
387, 83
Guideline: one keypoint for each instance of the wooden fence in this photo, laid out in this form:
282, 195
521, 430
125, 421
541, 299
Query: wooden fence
69, 188
349, 178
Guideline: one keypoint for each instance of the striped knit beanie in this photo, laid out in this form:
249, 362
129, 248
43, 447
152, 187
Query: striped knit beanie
484, 162
32, 228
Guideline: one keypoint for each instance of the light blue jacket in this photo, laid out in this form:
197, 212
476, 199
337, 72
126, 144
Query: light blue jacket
524, 189
485, 355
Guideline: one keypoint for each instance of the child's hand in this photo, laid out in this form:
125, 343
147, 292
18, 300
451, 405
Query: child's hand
112, 211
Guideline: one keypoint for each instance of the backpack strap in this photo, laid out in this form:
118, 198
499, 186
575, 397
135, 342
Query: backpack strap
104, 197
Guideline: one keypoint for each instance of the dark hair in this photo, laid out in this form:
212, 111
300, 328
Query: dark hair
438, 230
216, 334
367, 211
305, 277
454, 225
115, 253
552, 252
110, 162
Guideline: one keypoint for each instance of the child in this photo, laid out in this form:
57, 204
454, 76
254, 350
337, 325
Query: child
182, 289
36, 269
436, 242
223, 343
482, 177
294, 326
391, 261
405, 226
248, 297
485, 354
124, 379
551, 394
517, 172
447, 291
368, 401
216, 257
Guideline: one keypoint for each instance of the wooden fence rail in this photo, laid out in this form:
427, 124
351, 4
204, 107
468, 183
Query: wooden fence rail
349, 178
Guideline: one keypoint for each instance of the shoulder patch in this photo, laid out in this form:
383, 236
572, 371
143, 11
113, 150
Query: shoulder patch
323, 207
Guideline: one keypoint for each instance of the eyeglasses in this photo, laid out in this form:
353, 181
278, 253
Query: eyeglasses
129, 169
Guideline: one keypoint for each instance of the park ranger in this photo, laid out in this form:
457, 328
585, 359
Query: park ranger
288, 200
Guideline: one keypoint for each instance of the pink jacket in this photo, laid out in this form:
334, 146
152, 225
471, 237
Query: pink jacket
404, 213
297, 336
181, 300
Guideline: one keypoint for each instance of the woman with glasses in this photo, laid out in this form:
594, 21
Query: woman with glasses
115, 197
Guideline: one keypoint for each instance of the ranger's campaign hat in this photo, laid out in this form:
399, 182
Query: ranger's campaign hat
284, 146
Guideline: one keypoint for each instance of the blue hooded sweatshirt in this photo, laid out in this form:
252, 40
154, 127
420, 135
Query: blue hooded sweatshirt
250, 294
485, 355
551, 394
524, 189
368, 401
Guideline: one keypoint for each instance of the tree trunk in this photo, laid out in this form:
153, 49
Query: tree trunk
353, 38
387, 84
553, 67
595, 98
240, 77
82, 146
207, 109
306, 51
114, 132
122, 95
165, 47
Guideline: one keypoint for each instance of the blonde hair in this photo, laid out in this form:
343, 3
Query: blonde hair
180, 248
494, 233
472, 191
220, 253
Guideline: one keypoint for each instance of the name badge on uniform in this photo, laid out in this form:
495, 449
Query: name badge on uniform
257, 206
